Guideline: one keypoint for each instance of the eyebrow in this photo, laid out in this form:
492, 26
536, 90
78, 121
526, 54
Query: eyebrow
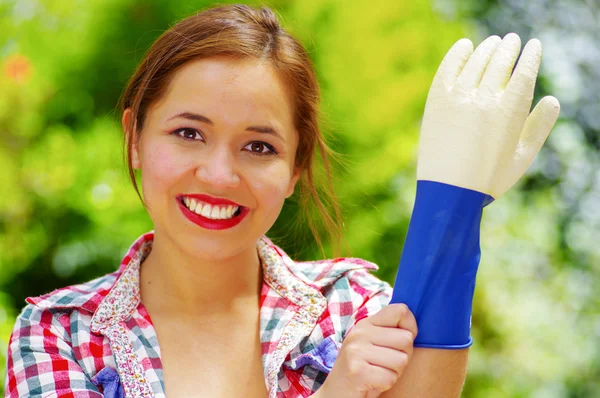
204, 119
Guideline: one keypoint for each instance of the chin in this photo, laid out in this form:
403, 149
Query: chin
214, 245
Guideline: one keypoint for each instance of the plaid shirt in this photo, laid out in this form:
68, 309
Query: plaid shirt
96, 339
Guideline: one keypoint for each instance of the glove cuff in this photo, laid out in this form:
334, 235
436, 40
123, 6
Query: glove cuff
436, 276
445, 347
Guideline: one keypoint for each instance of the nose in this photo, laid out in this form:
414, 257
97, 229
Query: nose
218, 169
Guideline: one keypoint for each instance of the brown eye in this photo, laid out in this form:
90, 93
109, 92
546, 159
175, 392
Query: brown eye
257, 147
260, 148
188, 134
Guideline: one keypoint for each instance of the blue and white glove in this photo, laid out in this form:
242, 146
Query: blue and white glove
477, 139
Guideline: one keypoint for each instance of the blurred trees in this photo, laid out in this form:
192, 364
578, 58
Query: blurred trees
67, 211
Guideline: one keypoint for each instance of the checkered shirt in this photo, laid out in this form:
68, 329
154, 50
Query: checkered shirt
65, 340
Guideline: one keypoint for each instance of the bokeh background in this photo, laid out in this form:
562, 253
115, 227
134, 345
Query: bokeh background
68, 213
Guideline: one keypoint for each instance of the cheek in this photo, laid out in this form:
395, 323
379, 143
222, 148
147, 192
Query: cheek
272, 187
161, 168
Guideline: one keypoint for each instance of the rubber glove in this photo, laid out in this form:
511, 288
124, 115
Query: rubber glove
477, 139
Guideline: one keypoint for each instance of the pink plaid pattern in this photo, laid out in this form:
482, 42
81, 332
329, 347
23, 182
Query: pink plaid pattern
63, 339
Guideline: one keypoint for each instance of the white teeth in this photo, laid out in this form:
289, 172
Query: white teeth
214, 212
206, 210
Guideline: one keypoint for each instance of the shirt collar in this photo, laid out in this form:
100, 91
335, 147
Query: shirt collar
120, 301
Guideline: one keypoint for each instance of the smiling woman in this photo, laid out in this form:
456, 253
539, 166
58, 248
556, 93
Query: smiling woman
221, 120
214, 132
281, 99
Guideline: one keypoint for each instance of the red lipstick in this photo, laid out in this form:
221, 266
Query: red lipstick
208, 223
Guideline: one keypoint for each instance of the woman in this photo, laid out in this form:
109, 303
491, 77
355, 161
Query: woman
221, 119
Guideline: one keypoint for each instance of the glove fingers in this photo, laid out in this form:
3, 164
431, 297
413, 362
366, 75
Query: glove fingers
498, 71
473, 71
523, 80
453, 63
535, 131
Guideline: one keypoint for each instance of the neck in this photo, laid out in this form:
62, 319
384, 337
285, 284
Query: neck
174, 281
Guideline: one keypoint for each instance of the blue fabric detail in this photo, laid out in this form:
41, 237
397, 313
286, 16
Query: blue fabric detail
108, 379
321, 357
437, 271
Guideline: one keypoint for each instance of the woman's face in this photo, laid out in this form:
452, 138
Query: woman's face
217, 156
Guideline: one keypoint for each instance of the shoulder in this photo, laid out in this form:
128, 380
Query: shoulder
352, 290
86, 296
51, 311
334, 276
89, 295
329, 275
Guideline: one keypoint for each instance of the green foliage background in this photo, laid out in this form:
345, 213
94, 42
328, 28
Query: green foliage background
67, 211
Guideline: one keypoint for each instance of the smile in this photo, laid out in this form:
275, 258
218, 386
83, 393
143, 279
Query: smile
211, 213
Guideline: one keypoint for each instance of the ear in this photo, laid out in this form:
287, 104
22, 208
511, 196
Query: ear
126, 123
293, 182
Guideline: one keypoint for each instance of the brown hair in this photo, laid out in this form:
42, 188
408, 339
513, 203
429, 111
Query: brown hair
241, 31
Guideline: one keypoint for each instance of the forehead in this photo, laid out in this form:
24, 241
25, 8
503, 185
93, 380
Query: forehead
229, 90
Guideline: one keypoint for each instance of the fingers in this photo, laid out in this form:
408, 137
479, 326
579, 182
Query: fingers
365, 367
395, 316
379, 369
536, 130
394, 338
523, 79
501, 65
374, 354
453, 63
473, 71
380, 379
398, 339
388, 359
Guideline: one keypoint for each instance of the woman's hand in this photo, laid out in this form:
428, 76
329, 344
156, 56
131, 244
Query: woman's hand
477, 132
373, 355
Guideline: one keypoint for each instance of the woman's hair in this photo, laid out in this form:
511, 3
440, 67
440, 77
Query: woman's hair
241, 31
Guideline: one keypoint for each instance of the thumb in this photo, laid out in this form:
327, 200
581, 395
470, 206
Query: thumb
535, 131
